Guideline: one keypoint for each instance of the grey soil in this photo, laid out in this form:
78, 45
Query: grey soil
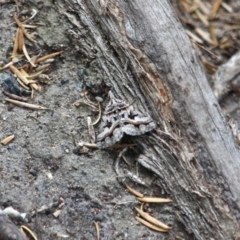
44, 143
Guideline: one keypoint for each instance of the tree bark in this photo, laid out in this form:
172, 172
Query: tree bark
145, 54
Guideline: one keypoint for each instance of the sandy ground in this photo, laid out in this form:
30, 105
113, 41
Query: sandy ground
39, 167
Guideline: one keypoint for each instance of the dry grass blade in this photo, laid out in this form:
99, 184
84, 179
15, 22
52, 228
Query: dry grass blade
28, 36
26, 105
44, 58
204, 35
212, 34
22, 84
90, 145
147, 224
23, 234
224, 43
154, 200
185, 6
20, 40
29, 26
15, 46
6, 140
27, 55
34, 75
216, 23
99, 115
97, 229
194, 37
6, 65
202, 17
133, 191
42, 67
201, 5
153, 220
215, 8
19, 74
135, 178
210, 67
227, 7
33, 84
24, 228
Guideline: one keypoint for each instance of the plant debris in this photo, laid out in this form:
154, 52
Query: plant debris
152, 220
26, 229
150, 225
6, 140
26, 105
213, 28
148, 220
154, 200
27, 72
97, 229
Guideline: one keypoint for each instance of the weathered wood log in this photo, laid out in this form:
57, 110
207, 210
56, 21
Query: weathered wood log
145, 53
227, 77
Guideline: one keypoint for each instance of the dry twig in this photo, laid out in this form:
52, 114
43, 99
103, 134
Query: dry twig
26, 105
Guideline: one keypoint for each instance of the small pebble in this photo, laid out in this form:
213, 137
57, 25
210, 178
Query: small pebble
64, 81
33, 172
99, 99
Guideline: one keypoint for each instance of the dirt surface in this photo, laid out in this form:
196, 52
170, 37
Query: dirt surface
39, 167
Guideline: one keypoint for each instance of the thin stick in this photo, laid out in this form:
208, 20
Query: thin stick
214, 55
26, 105
15, 97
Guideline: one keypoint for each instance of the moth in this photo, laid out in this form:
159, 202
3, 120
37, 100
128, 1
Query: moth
121, 118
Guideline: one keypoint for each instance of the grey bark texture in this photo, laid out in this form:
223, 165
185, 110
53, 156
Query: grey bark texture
146, 55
